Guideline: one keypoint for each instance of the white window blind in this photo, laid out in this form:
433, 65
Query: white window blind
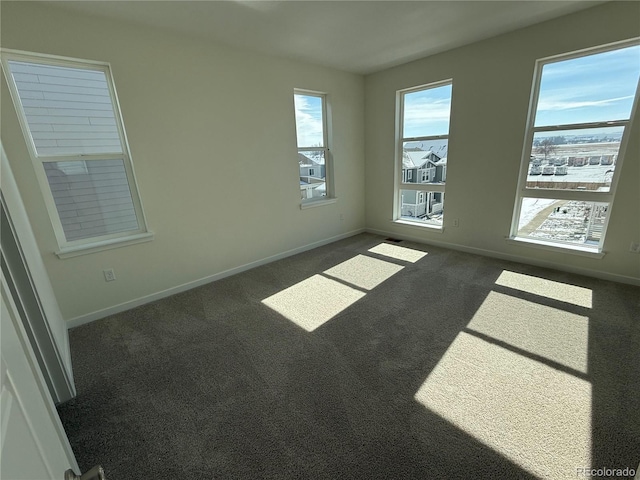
69, 110
71, 120
92, 203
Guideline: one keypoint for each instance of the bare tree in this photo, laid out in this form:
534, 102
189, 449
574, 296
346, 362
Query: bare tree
546, 147
315, 155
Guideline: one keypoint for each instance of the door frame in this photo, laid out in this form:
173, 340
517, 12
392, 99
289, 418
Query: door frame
33, 293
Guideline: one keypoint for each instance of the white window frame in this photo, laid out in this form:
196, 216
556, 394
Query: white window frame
559, 194
330, 196
399, 184
91, 244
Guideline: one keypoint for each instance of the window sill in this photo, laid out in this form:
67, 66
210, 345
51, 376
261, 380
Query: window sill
434, 228
554, 247
317, 203
94, 247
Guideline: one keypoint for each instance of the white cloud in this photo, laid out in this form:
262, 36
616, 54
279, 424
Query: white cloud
556, 103
308, 122
426, 117
425, 111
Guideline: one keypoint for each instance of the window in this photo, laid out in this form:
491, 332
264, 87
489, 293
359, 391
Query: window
71, 122
423, 142
580, 111
314, 157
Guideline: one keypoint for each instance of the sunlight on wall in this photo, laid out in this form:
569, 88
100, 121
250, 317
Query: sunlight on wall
545, 331
535, 415
546, 288
364, 272
313, 301
399, 253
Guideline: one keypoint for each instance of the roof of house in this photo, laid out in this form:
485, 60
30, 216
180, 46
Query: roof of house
428, 164
437, 146
304, 160
407, 161
420, 158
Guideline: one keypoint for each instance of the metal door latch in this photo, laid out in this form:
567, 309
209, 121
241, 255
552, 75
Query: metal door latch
96, 473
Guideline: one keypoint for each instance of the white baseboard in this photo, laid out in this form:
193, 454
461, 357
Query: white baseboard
105, 312
513, 258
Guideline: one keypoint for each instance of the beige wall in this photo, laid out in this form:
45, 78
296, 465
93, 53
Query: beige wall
201, 116
212, 136
492, 86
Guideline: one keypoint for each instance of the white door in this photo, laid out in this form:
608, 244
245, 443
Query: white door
33, 445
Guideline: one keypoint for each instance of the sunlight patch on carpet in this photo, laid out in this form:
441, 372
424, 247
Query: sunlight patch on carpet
564, 292
364, 272
535, 415
554, 334
313, 301
399, 253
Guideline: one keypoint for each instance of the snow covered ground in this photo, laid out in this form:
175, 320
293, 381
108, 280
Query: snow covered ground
585, 149
570, 223
530, 208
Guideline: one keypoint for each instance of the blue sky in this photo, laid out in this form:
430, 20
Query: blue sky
308, 120
427, 112
593, 88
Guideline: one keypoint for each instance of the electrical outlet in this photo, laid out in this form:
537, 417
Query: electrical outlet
456, 222
342, 217
109, 275
635, 247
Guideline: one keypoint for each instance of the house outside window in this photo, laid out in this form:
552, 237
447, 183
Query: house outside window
423, 140
581, 107
314, 156
73, 128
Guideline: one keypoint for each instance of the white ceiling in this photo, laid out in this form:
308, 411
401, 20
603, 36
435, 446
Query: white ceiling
357, 36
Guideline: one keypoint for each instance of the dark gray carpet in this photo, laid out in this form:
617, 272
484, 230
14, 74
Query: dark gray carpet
449, 368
